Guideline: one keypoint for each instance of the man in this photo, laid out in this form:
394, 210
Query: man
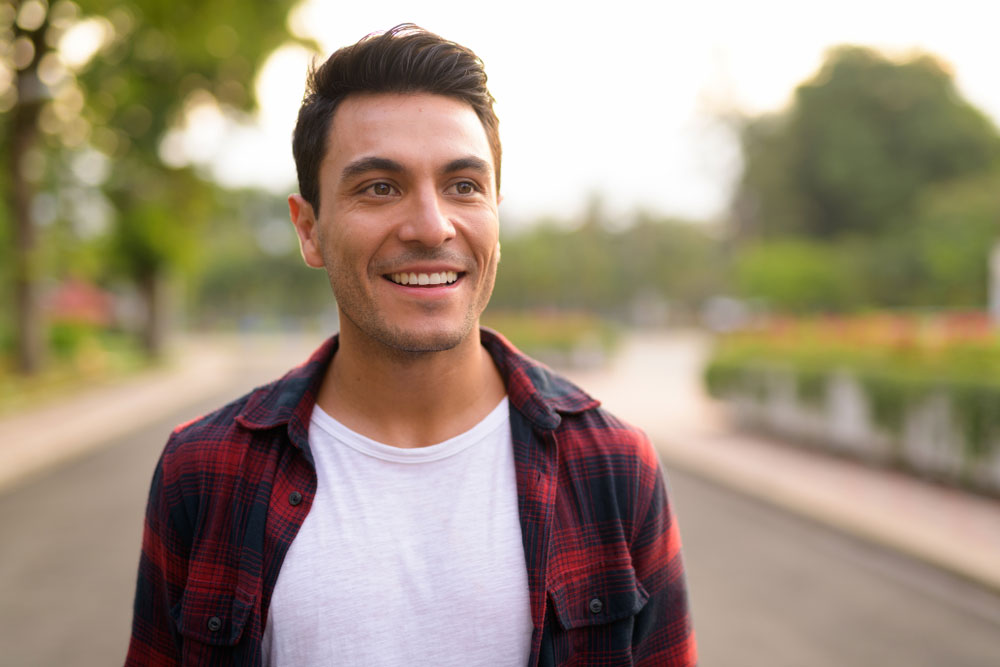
418, 492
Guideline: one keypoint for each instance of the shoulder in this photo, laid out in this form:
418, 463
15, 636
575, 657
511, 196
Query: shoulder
221, 437
212, 438
598, 432
613, 460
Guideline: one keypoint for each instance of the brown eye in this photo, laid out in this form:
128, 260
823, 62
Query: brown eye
382, 189
465, 188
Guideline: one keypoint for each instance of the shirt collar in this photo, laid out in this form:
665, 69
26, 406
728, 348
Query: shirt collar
538, 393
290, 400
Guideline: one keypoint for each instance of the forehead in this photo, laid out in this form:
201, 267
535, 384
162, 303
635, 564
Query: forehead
411, 128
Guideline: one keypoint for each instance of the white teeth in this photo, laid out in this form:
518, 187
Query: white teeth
442, 278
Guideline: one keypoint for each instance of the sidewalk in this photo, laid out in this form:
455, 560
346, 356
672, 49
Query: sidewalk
32, 441
654, 384
199, 368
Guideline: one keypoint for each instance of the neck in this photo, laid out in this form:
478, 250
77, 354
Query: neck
410, 399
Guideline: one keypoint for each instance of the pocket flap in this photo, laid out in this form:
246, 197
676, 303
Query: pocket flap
213, 615
597, 594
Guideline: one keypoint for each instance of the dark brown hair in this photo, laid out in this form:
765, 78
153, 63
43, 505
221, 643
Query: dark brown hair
405, 59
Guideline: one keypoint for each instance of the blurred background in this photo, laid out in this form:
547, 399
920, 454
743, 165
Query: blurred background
765, 232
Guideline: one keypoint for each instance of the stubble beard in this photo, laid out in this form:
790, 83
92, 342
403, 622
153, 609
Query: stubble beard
398, 341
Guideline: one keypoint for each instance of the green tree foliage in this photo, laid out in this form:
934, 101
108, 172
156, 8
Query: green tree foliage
256, 276
161, 56
152, 59
877, 187
798, 276
861, 141
607, 270
941, 259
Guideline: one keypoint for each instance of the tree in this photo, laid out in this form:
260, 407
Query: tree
608, 269
153, 58
945, 252
27, 25
799, 276
163, 55
860, 142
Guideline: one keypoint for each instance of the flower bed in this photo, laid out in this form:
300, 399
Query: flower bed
919, 392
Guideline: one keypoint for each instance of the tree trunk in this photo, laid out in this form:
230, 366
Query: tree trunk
153, 288
23, 128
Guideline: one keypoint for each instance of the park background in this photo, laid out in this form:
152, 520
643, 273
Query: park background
811, 191
660, 166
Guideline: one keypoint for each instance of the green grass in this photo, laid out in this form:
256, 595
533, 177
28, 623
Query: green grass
78, 357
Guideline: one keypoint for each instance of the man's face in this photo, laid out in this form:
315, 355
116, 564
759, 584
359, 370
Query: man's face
408, 227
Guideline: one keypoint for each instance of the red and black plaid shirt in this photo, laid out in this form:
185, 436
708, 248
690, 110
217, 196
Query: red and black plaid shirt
232, 489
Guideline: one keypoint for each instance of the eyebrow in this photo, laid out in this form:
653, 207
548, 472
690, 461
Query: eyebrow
364, 165
470, 162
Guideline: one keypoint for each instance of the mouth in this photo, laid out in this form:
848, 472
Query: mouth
424, 279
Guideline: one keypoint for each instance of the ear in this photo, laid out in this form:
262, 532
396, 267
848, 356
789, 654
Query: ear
304, 220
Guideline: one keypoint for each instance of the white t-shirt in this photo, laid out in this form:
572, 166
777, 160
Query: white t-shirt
407, 556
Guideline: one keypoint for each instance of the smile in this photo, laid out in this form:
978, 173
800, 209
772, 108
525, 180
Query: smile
442, 278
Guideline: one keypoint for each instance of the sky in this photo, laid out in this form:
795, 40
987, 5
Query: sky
622, 101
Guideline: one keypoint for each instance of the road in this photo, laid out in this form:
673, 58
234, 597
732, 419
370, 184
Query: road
71, 537
767, 588
772, 589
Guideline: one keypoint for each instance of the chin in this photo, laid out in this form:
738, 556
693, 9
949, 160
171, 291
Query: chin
420, 340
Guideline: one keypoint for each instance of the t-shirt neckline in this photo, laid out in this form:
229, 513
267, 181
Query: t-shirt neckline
363, 444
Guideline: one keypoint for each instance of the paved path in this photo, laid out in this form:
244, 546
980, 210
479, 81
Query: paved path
67, 428
770, 589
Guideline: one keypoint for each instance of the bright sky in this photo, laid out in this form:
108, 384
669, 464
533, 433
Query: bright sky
620, 99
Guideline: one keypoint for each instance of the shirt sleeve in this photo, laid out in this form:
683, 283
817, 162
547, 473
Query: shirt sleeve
162, 568
663, 633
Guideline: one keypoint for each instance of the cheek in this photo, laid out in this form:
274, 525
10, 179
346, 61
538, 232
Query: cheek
486, 235
348, 251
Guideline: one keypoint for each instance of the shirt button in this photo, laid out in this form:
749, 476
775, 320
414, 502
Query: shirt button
596, 606
294, 498
215, 624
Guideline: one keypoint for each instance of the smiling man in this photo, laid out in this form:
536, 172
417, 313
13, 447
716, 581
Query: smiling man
418, 492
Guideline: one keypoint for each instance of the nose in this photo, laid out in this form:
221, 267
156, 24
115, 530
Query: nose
426, 222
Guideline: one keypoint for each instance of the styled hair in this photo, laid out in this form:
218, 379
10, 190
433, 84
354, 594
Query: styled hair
405, 59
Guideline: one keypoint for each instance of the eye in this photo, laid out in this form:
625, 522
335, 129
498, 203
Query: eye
465, 188
381, 189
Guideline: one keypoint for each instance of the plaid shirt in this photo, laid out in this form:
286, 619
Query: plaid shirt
232, 488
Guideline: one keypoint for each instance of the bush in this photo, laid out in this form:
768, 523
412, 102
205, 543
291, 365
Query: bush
799, 276
899, 361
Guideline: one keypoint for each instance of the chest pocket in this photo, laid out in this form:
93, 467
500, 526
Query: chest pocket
212, 615
594, 606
